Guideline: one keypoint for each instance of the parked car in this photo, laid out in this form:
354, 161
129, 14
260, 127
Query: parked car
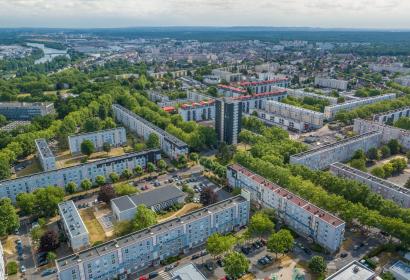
307, 251
209, 266
22, 269
196, 256
220, 262
48, 272
245, 250
343, 255
152, 275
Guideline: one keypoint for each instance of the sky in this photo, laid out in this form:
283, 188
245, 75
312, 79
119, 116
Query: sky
385, 14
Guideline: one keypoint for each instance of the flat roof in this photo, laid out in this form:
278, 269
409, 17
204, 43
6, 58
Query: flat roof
187, 272
43, 148
71, 218
267, 82
25, 104
401, 268
353, 271
96, 132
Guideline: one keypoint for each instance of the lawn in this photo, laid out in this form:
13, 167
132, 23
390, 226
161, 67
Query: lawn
65, 159
94, 227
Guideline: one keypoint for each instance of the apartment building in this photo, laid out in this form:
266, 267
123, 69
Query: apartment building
392, 68
61, 177
259, 100
332, 110
227, 76
404, 81
145, 248
173, 74
228, 120
331, 83
45, 155
265, 86
386, 189
297, 93
74, 227
125, 207
343, 150
400, 270
303, 217
25, 111
170, 145
230, 91
116, 137
390, 117
198, 111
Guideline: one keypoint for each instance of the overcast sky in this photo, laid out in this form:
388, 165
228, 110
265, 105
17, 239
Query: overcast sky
280, 13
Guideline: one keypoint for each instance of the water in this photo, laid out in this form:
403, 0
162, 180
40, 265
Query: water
49, 53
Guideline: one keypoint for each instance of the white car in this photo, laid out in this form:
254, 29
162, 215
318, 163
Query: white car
22, 269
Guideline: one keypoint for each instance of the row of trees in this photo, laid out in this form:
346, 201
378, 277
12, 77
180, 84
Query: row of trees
394, 166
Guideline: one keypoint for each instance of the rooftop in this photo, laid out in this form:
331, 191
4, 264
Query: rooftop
25, 104
300, 109
187, 272
71, 218
361, 100
256, 95
43, 148
96, 132
272, 81
198, 104
353, 271
401, 268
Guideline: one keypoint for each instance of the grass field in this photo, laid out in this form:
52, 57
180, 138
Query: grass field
93, 226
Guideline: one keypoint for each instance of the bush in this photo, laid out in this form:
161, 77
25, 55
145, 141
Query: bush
11, 268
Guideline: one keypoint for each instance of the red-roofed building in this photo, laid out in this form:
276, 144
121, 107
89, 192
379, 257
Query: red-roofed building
168, 109
198, 111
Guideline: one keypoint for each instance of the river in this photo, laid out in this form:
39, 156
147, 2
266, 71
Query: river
49, 53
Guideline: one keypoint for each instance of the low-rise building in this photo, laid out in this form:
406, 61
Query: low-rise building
198, 111
303, 217
141, 249
125, 207
331, 83
170, 145
353, 271
25, 111
390, 117
187, 272
45, 155
116, 137
74, 227
400, 270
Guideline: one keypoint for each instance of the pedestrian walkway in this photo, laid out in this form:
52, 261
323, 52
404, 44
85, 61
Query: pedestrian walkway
164, 275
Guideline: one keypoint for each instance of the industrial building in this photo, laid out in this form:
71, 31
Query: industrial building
125, 207
386, 189
331, 83
139, 250
45, 155
353, 271
301, 216
170, 145
343, 150
200, 111
116, 137
390, 117
61, 177
23, 111
228, 120
74, 227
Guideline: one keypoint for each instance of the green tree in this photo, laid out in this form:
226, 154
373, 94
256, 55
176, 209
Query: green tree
11, 268
394, 146
47, 200
100, 180
87, 147
218, 244
388, 169
92, 124
373, 154
144, 217
317, 265
71, 187
9, 220
107, 147
114, 177
126, 174
51, 257
260, 225
359, 164
194, 157
26, 202
124, 189
4, 169
139, 147
235, 264
86, 184
385, 151
407, 184
122, 228
150, 167
280, 242
138, 170
359, 154
378, 171
162, 165
153, 141
36, 233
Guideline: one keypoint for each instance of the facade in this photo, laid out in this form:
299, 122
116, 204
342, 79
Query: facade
352, 271
230, 91
116, 137
174, 74
265, 86
2, 264
259, 100
332, 110
170, 145
303, 217
393, 68
391, 116
400, 270
25, 111
125, 207
225, 75
331, 83
139, 250
386, 189
286, 123
343, 150
404, 81
228, 120
74, 227
301, 94
201, 111
45, 155
61, 177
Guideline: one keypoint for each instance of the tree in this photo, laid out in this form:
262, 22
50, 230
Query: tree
71, 187
122, 228
139, 147
9, 220
385, 151
4, 169
317, 265
124, 189
106, 193
208, 196
182, 161
86, 184
358, 164
100, 180
92, 124
106, 147
387, 276
373, 154
36, 233
87, 147
260, 225
138, 170
150, 167
394, 146
236, 264
194, 157
11, 268
47, 200
49, 241
153, 141
388, 169
126, 174
378, 171
114, 177
26, 202
359, 154
51, 257
280, 242
162, 165
144, 217
218, 244
407, 184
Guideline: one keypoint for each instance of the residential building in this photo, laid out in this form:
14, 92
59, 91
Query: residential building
386, 189
2, 264
45, 155
331, 83
228, 119
116, 137
259, 100
227, 76
390, 117
188, 271
23, 111
332, 110
200, 111
61, 177
400, 270
74, 227
392, 68
302, 94
303, 217
353, 271
230, 91
125, 207
13, 125
141, 249
404, 81
343, 150
170, 145
173, 74
265, 86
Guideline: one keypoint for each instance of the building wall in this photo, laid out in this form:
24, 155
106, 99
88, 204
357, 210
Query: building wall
300, 94
283, 122
197, 112
331, 83
391, 116
228, 117
2, 264
115, 137
25, 111
46, 158
260, 101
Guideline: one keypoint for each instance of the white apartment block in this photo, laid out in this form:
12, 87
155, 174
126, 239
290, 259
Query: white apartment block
386, 189
201, 111
332, 110
392, 116
331, 83
170, 145
139, 250
265, 86
61, 177
174, 74
404, 81
303, 217
116, 137
352, 271
227, 76
259, 100
393, 68
74, 227
45, 155
320, 158
2, 264
301, 94
25, 111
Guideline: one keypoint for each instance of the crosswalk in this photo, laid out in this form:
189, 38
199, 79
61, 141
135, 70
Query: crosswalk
164, 275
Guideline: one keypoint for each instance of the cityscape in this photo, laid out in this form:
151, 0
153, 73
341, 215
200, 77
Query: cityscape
215, 148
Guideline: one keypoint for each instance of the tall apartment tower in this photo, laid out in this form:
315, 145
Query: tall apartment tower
228, 117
